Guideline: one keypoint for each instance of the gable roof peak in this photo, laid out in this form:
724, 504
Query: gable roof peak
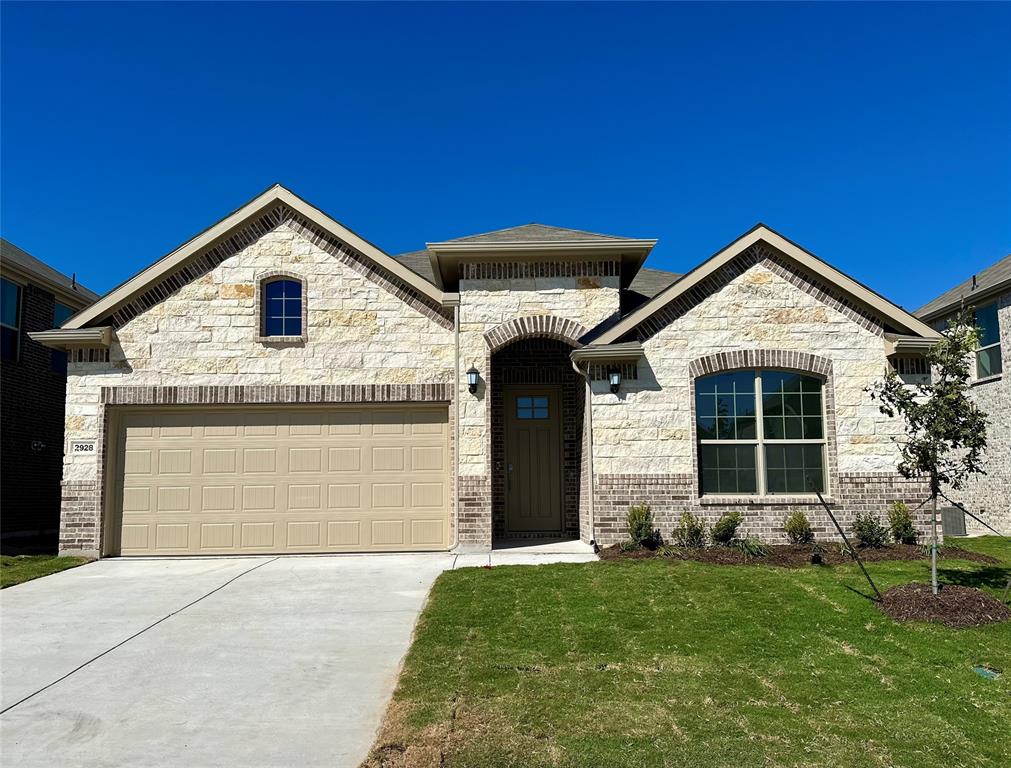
536, 232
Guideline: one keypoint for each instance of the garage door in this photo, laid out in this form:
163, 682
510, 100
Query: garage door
229, 481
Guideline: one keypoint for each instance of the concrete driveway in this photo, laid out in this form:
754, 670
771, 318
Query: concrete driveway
206, 662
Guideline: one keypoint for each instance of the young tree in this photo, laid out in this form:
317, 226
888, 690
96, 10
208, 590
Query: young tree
945, 430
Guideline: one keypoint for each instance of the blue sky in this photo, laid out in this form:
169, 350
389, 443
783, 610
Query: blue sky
878, 136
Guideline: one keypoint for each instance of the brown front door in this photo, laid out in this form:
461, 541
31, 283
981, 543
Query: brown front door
533, 450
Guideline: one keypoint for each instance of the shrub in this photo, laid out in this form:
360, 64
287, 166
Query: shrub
869, 531
640, 526
690, 532
669, 551
901, 523
798, 529
725, 528
751, 547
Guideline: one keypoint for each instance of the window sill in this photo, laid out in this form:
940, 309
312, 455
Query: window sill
986, 380
768, 499
282, 340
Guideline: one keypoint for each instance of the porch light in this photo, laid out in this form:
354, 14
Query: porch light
472, 375
614, 376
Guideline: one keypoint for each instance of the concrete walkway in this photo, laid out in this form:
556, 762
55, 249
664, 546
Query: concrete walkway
201, 662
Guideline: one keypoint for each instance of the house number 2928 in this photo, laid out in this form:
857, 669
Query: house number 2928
82, 446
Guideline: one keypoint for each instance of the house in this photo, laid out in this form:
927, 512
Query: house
988, 296
280, 384
35, 297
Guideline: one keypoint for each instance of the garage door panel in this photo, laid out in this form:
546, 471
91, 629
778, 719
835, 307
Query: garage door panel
284, 480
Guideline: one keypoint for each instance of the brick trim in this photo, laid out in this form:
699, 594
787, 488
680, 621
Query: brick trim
777, 263
252, 231
760, 358
534, 326
279, 394
518, 270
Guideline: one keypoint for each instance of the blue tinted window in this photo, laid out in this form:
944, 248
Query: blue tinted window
282, 308
532, 407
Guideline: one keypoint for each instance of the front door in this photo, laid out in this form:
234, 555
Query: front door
533, 451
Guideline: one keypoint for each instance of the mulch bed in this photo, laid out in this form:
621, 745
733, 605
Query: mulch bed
797, 555
953, 606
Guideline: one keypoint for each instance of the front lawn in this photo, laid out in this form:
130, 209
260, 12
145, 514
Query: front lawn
15, 569
676, 663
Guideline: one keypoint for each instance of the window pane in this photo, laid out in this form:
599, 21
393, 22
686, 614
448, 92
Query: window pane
986, 321
746, 428
812, 428
705, 405
811, 404
730, 398
8, 343
540, 413
523, 402
706, 428
61, 314
293, 326
727, 468
274, 326
794, 468
9, 295
988, 362
274, 290
794, 428
773, 427
292, 289
540, 402
745, 405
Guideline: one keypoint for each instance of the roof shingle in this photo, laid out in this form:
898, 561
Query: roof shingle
983, 282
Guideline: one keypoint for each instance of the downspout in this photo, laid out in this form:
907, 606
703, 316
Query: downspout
456, 427
588, 428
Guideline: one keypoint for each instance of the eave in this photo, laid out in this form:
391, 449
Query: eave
65, 338
629, 351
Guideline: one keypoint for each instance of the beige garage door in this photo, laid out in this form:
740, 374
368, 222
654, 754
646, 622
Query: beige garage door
229, 481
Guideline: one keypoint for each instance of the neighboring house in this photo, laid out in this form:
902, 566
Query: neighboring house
35, 297
988, 296
279, 384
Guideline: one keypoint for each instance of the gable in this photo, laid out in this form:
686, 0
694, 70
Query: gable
276, 207
801, 268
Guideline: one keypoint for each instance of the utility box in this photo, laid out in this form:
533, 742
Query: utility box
953, 521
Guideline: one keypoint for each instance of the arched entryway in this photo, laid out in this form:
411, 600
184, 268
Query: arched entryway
537, 405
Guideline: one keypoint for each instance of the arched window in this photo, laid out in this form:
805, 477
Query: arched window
282, 307
760, 432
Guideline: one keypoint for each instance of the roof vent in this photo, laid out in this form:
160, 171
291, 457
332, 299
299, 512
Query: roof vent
974, 282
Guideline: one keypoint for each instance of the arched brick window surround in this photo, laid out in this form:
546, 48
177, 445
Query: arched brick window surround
534, 326
766, 359
261, 281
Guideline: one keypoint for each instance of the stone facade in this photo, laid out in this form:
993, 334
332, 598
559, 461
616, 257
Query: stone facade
205, 335
196, 339
989, 495
762, 314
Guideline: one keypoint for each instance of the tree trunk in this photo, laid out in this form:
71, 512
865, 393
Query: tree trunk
933, 545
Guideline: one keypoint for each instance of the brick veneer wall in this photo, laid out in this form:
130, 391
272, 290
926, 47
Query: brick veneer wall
31, 433
82, 524
670, 495
538, 361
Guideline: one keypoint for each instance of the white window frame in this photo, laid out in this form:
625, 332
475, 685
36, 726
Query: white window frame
995, 345
18, 312
761, 481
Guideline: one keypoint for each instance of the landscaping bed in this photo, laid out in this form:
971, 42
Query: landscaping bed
953, 605
791, 555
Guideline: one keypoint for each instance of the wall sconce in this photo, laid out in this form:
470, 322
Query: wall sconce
614, 377
472, 375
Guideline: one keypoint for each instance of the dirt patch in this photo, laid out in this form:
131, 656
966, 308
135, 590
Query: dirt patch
953, 606
797, 555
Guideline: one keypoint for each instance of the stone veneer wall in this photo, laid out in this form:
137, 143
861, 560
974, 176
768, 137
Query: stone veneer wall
989, 496
644, 444
511, 302
202, 334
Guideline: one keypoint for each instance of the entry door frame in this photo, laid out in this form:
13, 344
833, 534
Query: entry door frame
509, 394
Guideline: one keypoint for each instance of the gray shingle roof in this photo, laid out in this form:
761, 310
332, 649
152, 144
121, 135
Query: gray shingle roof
418, 262
993, 277
12, 254
534, 233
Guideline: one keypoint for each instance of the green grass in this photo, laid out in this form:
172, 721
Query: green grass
657, 663
21, 568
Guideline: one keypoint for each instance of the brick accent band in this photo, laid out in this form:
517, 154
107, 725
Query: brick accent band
279, 394
534, 326
518, 270
760, 358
